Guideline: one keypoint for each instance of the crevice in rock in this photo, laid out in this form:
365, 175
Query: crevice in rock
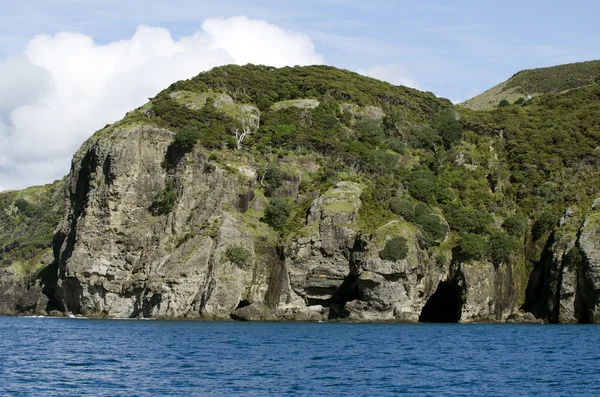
584, 294
444, 306
242, 303
537, 294
347, 292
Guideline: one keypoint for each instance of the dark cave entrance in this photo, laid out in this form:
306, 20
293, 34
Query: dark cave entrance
243, 303
444, 306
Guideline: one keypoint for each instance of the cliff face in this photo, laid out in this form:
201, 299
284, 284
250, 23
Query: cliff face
116, 258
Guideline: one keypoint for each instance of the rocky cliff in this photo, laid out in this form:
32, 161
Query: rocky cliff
315, 194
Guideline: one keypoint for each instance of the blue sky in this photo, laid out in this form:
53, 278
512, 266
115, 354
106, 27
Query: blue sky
454, 49
68, 67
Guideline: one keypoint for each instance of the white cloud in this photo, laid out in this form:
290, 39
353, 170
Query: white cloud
64, 87
391, 73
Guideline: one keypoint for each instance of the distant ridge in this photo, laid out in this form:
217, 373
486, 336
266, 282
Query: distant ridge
535, 82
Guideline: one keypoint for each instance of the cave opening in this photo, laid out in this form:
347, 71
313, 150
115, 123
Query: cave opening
444, 306
243, 303
348, 291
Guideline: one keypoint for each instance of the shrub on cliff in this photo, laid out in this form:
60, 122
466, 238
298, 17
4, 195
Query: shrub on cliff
164, 202
468, 219
238, 255
277, 213
402, 207
421, 185
472, 246
394, 250
545, 222
515, 225
501, 246
185, 139
431, 226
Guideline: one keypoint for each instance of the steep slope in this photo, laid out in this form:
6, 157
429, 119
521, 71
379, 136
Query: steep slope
535, 82
27, 222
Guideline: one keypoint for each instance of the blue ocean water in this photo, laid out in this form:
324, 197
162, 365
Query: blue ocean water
84, 357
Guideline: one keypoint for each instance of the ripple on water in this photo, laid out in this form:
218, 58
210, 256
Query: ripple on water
47, 356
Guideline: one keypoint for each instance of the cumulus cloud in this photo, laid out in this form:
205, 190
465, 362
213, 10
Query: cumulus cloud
64, 87
393, 74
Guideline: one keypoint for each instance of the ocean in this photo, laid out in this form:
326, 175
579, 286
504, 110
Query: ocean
88, 357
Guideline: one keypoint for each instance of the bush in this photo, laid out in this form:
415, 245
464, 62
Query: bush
402, 207
186, 138
238, 255
422, 189
468, 220
277, 213
501, 245
421, 210
446, 196
273, 178
426, 138
369, 131
472, 246
421, 185
394, 250
432, 228
515, 225
448, 127
164, 202
503, 103
545, 222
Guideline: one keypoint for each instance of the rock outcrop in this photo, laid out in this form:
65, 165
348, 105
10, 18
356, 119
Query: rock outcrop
117, 258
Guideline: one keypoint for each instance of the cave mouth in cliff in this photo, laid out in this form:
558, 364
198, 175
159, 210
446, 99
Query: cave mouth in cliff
444, 306
243, 303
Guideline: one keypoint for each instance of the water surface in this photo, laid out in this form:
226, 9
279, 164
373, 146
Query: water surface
84, 357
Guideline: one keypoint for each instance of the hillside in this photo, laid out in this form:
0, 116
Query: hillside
535, 82
27, 222
311, 193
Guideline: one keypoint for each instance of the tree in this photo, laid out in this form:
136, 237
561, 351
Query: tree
185, 139
394, 250
515, 225
545, 222
277, 213
503, 103
448, 127
501, 246
402, 207
472, 246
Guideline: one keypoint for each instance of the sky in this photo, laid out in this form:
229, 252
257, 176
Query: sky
68, 67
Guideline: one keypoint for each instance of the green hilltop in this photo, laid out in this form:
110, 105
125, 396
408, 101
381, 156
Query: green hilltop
535, 82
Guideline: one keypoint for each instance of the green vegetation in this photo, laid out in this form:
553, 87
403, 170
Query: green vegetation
472, 246
394, 250
164, 202
238, 255
556, 78
501, 246
27, 221
277, 213
503, 103
536, 82
186, 138
402, 207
